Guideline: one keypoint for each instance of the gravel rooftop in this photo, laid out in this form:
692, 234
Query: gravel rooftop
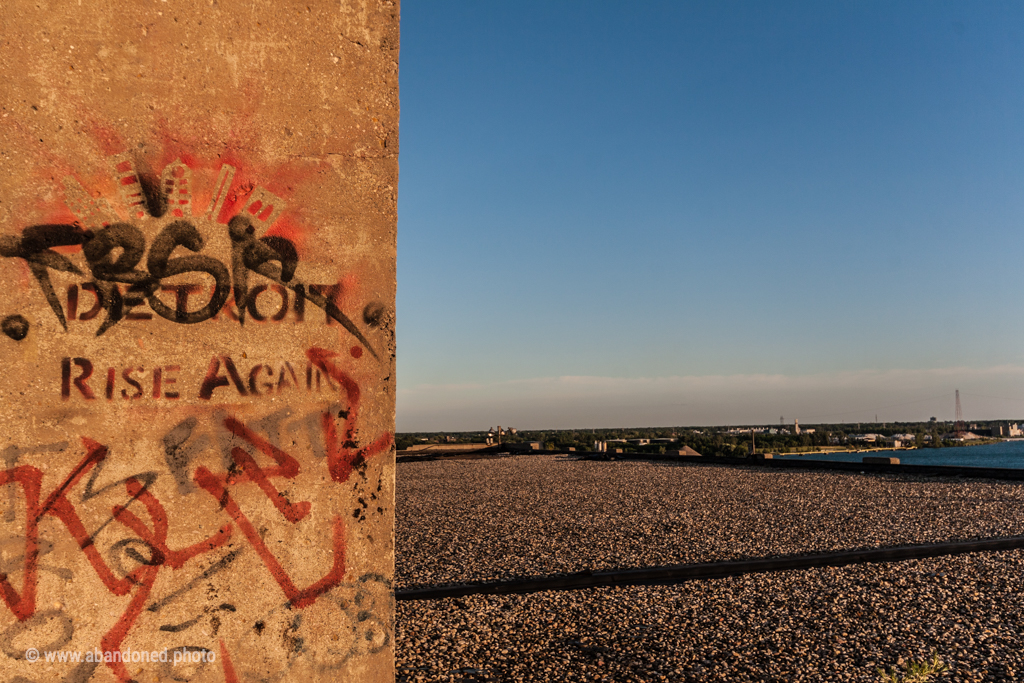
474, 520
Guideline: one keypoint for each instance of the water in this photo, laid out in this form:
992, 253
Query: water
1009, 454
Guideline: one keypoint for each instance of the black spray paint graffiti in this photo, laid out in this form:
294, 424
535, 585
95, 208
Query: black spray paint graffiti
272, 257
120, 286
15, 327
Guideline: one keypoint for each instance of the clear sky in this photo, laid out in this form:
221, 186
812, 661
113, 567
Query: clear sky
674, 213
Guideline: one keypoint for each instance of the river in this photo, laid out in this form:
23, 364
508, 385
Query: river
1003, 454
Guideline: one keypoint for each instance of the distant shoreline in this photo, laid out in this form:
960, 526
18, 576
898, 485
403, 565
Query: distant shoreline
978, 442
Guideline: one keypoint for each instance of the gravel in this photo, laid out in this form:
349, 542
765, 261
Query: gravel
535, 515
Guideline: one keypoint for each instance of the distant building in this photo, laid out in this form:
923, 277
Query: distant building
524, 446
685, 450
1005, 430
493, 433
870, 438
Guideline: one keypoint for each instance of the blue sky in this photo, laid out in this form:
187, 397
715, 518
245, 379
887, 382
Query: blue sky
646, 214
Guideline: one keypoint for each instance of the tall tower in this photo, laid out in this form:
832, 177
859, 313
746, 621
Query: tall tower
958, 426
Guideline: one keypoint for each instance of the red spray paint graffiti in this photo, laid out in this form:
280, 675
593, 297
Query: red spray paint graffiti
342, 456
117, 242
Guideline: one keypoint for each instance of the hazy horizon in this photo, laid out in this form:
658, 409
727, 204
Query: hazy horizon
604, 402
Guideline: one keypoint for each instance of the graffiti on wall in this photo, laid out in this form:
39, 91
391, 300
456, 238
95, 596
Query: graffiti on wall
155, 260
125, 288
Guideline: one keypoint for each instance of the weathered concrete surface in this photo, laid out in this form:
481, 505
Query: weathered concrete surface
197, 281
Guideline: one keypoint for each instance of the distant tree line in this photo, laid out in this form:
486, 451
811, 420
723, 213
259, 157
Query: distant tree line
708, 441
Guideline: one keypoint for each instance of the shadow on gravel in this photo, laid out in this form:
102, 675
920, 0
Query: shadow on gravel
709, 570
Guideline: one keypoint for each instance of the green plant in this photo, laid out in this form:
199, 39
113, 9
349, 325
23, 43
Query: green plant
914, 672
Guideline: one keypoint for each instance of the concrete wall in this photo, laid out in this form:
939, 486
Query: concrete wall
197, 285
